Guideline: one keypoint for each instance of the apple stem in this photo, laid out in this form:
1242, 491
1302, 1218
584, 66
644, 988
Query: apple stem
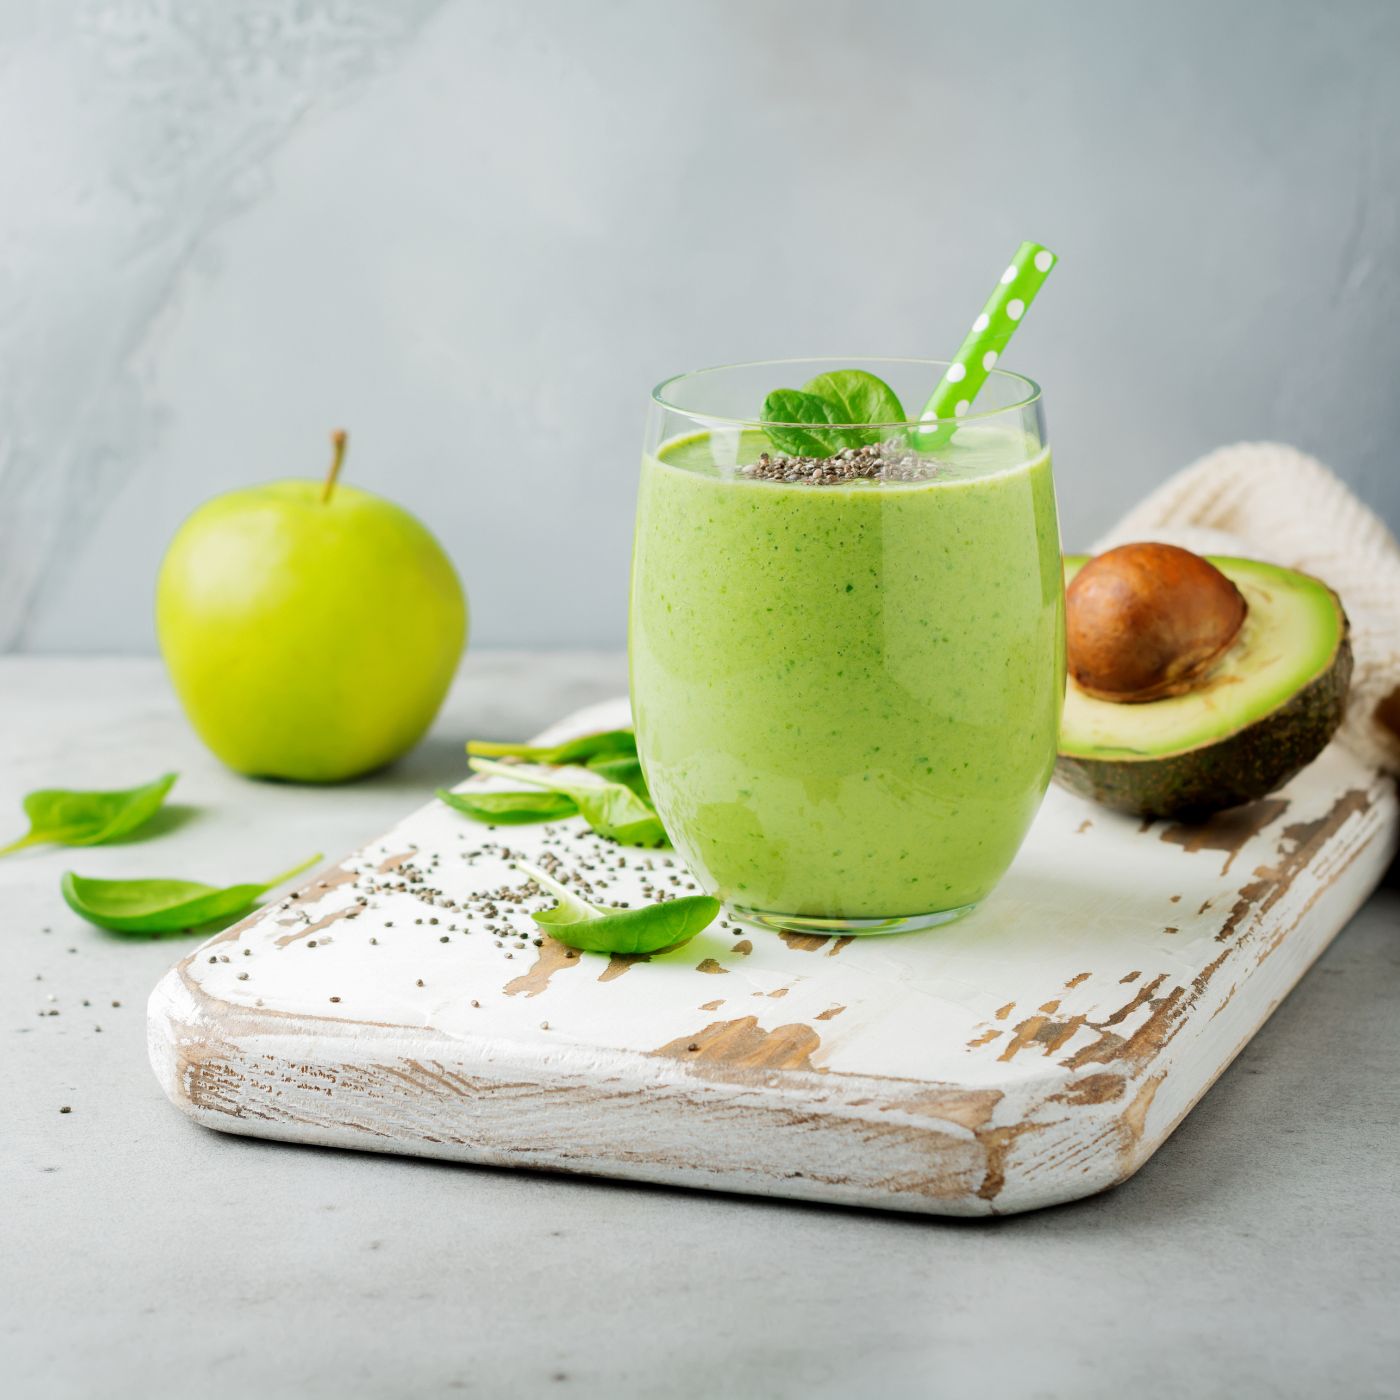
338, 441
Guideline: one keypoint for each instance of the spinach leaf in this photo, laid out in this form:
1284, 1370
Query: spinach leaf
618, 743
615, 811
162, 906
847, 397
598, 929
69, 817
857, 397
785, 408
511, 808
611, 809
627, 771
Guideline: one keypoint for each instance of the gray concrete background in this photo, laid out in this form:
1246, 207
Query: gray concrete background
477, 233
1255, 1256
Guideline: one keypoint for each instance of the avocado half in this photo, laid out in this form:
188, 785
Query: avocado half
1264, 710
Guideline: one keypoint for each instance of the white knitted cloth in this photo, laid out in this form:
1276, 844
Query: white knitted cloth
1264, 500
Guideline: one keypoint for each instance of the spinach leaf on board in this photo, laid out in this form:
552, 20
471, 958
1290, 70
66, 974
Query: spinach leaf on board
627, 771
71, 817
598, 929
617, 743
162, 906
511, 808
611, 809
783, 409
857, 397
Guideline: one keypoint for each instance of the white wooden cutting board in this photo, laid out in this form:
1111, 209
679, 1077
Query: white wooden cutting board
1038, 1051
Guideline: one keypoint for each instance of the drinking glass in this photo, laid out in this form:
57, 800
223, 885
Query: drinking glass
846, 692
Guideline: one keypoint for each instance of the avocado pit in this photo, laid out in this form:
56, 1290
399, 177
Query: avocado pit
1145, 621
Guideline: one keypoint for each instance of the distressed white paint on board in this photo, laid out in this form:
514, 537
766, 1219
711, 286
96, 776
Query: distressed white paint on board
1038, 1051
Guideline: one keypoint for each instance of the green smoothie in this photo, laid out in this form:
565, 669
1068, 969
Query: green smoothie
847, 696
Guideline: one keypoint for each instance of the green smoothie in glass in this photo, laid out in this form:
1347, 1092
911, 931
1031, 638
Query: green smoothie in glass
847, 693
847, 627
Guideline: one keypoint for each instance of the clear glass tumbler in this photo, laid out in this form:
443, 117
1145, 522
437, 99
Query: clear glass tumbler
846, 692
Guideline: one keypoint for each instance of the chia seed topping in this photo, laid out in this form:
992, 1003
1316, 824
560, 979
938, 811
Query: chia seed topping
876, 461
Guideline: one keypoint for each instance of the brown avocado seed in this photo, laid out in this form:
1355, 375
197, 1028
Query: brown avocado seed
1145, 621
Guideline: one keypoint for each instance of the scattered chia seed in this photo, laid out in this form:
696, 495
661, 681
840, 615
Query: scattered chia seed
597, 869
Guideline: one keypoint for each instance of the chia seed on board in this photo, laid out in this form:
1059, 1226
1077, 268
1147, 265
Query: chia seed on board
877, 461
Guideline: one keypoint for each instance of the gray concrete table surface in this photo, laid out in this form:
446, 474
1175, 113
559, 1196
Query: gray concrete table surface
1257, 1254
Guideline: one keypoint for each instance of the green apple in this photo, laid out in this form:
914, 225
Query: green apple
311, 629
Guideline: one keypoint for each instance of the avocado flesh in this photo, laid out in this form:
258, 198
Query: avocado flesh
1263, 711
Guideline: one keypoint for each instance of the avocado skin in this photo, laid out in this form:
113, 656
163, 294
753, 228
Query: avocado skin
1242, 767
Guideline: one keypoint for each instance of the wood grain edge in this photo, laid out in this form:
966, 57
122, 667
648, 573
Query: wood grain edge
861, 1140
1275, 960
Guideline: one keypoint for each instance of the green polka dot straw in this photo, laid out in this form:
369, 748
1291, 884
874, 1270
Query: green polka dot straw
983, 347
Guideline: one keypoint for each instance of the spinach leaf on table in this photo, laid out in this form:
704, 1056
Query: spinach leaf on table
595, 928
72, 817
162, 906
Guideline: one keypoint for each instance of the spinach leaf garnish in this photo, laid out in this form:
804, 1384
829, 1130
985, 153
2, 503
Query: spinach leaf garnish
511, 808
783, 409
70, 817
841, 396
596, 928
857, 397
612, 809
162, 906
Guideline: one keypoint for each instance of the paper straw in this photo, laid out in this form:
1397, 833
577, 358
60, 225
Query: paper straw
983, 347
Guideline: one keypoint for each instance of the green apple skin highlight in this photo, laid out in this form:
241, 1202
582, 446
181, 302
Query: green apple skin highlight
847, 697
308, 639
